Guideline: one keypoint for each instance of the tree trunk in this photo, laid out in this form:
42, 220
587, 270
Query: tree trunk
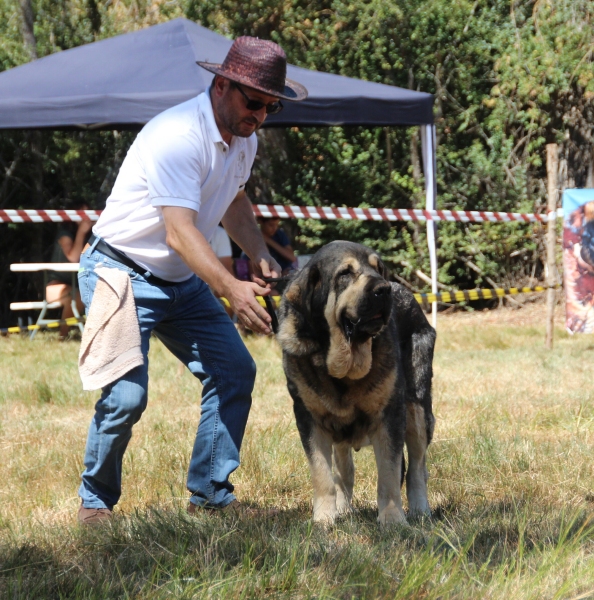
415, 158
27, 27
388, 154
590, 179
552, 190
33, 137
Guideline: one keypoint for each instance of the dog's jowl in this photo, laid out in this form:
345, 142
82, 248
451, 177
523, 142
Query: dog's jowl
357, 353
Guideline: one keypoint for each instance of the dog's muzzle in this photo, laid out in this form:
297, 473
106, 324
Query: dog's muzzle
371, 315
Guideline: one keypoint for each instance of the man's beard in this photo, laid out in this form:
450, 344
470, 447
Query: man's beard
233, 126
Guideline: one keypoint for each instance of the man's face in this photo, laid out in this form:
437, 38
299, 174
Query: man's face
269, 227
231, 110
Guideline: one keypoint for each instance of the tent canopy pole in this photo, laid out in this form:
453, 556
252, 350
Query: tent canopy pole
428, 142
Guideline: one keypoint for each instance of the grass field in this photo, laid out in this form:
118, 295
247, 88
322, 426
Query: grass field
511, 483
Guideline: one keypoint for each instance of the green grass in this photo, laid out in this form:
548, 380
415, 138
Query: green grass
511, 483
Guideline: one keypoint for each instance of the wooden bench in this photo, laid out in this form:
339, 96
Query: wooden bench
43, 306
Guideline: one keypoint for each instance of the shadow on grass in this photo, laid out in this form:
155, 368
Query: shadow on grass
156, 554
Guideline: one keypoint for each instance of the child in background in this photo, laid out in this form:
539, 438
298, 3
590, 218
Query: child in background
278, 243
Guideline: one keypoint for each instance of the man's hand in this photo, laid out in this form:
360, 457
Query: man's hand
257, 317
241, 296
265, 266
193, 248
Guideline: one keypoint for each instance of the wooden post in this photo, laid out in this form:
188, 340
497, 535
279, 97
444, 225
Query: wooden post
388, 154
552, 189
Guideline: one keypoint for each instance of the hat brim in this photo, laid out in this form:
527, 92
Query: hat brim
293, 91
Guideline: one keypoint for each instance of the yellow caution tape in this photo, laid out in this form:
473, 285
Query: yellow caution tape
448, 297
486, 294
52, 325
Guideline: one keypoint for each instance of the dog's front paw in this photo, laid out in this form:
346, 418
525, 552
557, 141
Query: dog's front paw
418, 507
391, 516
343, 504
325, 512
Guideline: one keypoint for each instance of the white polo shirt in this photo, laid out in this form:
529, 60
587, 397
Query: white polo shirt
178, 159
220, 243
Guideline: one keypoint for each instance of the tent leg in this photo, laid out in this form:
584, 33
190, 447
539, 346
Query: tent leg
428, 141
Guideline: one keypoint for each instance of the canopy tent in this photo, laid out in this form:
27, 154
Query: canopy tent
126, 80
122, 82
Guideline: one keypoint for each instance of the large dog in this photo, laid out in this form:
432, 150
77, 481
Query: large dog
357, 353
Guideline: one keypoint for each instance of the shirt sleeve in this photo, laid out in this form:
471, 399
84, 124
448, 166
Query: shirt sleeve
63, 232
282, 238
173, 164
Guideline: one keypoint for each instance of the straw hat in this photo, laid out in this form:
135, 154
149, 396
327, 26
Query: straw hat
258, 64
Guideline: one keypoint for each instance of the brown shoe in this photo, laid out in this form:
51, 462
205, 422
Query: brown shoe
92, 516
235, 509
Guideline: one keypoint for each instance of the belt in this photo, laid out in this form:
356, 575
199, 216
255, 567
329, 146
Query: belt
120, 257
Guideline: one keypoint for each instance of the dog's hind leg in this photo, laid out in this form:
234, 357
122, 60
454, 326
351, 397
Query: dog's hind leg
319, 454
344, 477
389, 468
417, 441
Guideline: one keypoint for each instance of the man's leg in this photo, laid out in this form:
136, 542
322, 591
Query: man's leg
61, 292
122, 402
119, 408
201, 335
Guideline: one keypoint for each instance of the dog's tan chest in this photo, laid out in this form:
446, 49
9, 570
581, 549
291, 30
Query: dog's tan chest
369, 395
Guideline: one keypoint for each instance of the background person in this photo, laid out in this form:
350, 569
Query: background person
278, 243
186, 172
70, 240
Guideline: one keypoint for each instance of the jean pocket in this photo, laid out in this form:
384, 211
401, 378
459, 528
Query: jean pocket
97, 260
83, 286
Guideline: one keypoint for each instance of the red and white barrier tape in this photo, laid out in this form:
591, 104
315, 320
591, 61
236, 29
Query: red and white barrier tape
305, 212
41, 216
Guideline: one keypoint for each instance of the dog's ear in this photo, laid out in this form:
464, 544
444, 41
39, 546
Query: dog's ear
383, 270
378, 264
295, 334
300, 292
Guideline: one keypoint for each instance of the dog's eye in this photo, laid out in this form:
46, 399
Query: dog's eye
346, 272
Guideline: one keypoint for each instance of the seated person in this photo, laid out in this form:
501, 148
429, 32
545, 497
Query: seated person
278, 243
68, 247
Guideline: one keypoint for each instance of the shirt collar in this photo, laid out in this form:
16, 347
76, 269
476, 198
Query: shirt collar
206, 109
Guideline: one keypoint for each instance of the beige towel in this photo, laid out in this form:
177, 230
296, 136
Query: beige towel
110, 345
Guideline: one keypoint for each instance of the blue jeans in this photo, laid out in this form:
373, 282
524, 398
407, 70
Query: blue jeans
193, 325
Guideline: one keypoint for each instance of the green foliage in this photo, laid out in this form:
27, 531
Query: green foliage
494, 112
508, 77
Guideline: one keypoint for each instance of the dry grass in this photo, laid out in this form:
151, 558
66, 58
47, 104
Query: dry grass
512, 482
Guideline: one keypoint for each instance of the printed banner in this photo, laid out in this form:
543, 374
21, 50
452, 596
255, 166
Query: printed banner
578, 260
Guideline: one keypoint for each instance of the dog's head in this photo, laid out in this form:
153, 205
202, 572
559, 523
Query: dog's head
335, 305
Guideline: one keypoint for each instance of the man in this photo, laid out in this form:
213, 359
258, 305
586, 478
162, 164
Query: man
185, 173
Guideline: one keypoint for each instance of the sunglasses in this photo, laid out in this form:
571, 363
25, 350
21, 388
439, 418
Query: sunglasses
271, 109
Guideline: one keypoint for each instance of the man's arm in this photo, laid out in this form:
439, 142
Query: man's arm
286, 251
195, 251
72, 249
240, 224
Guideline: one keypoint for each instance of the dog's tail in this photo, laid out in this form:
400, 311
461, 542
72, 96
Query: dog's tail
403, 470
